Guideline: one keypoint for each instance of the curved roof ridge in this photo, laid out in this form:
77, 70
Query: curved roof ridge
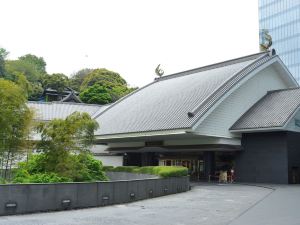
226, 85
212, 66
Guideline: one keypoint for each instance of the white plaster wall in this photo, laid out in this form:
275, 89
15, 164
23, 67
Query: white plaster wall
110, 160
105, 157
238, 102
99, 149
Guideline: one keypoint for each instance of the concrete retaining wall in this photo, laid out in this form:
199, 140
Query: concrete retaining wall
29, 198
114, 176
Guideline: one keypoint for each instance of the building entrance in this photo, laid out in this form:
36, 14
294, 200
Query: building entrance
203, 166
195, 166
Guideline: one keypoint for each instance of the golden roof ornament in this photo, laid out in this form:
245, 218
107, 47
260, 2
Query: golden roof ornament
266, 42
159, 72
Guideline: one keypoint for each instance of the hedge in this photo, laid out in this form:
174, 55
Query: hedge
108, 168
162, 171
129, 169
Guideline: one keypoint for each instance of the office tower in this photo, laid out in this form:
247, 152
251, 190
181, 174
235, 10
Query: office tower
281, 19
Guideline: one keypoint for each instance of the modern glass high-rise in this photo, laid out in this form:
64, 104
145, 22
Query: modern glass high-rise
281, 18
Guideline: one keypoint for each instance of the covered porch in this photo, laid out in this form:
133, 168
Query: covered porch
204, 156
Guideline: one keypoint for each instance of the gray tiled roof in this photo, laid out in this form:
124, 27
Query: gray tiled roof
46, 111
175, 101
271, 111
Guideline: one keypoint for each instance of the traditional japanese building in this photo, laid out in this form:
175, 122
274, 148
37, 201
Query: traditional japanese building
68, 95
241, 114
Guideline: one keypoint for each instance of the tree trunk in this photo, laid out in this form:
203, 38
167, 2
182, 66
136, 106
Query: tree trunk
6, 166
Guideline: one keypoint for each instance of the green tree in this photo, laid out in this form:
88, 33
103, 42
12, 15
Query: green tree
103, 77
3, 55
35, 92
103, 82
28, 72
56, 81
14, 67
60, 138
15, 123
32, 90
78, 77
96, 94
38, 62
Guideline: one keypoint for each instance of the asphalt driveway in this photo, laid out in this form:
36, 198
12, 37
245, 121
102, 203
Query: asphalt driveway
204, 204
281, 207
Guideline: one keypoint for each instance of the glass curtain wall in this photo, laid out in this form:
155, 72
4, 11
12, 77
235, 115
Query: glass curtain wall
281, 18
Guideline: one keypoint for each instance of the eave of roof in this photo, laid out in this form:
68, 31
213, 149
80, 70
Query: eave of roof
46, 111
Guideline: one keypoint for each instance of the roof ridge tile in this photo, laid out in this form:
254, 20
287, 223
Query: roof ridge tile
211, 66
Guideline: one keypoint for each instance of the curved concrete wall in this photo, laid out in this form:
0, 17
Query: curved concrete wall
29, 198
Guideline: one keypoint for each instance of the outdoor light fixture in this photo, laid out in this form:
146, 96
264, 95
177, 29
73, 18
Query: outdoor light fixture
10, 205
151, 193
165, 190
66, 202
105, 197
132, 195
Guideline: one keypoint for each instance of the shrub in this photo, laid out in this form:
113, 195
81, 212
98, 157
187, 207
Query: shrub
24, 177
170, 171
129, 169
78, 168
162, 171
47, 178
108, 168
94, 167
145, 169
35, 164
2, 181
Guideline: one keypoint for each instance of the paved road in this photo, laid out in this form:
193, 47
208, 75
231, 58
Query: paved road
281, 207
204, 204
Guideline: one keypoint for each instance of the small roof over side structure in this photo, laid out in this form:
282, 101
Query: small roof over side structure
272, 112
47, 111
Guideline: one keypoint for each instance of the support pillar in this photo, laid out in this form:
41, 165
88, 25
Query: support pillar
209, 163
149, 159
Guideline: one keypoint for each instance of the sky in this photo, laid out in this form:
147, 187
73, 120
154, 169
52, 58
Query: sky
129, 37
